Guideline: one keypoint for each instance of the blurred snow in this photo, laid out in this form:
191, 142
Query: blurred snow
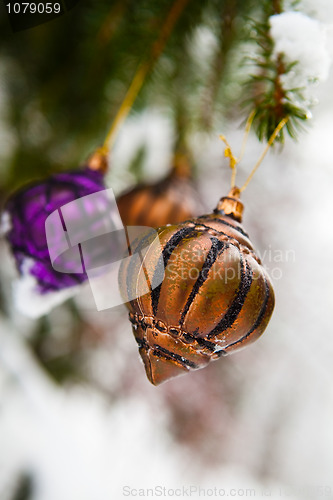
75, 445
149, 131
71, 442
5, 223
319, 9
29, 301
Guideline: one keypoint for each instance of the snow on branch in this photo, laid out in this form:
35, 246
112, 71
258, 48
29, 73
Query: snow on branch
302, 43
293, 56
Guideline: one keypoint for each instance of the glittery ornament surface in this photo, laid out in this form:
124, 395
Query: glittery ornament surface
215, 297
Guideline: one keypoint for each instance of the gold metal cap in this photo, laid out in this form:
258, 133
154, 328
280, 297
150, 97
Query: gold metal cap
98, 161
231, 205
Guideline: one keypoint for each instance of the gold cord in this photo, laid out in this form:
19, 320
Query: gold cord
228, 152
234, 161
141, 73
270, 142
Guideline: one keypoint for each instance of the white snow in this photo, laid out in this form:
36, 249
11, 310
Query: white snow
5, 223
319, 9
77, 446
303, 40
70, 442
150, 130
29, 301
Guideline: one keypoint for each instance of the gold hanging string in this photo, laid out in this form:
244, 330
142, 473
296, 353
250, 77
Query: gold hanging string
270, 142
248, 125
141, 73
232, 159
228, 152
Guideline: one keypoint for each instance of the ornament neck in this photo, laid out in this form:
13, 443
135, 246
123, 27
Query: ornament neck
181, 166
98, 161
231, 205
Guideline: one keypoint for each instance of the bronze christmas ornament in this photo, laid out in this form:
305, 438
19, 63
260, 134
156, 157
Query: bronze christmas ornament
169, 201
215, 298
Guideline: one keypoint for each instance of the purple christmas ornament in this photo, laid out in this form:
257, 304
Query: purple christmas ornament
25, 214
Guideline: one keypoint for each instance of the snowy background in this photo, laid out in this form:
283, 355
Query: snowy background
258, 423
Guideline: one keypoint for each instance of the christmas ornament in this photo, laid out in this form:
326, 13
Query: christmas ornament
215, 297
169, 201
25, 214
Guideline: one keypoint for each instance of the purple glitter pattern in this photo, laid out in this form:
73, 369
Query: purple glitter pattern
28, 210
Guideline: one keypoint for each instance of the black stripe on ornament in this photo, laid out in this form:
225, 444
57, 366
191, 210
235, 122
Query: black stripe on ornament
259, 318
236, 306
174, 241
214, 252
236, 228
161, 352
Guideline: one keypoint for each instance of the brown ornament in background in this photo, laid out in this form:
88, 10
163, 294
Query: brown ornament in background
215, 297
169, 201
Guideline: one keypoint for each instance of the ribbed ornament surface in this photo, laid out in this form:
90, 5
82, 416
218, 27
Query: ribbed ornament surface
215, 298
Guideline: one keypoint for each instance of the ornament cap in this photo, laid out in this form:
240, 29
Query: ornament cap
98, 161
231, 205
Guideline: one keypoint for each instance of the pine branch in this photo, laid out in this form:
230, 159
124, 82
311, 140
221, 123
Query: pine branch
268, 97
225, 42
